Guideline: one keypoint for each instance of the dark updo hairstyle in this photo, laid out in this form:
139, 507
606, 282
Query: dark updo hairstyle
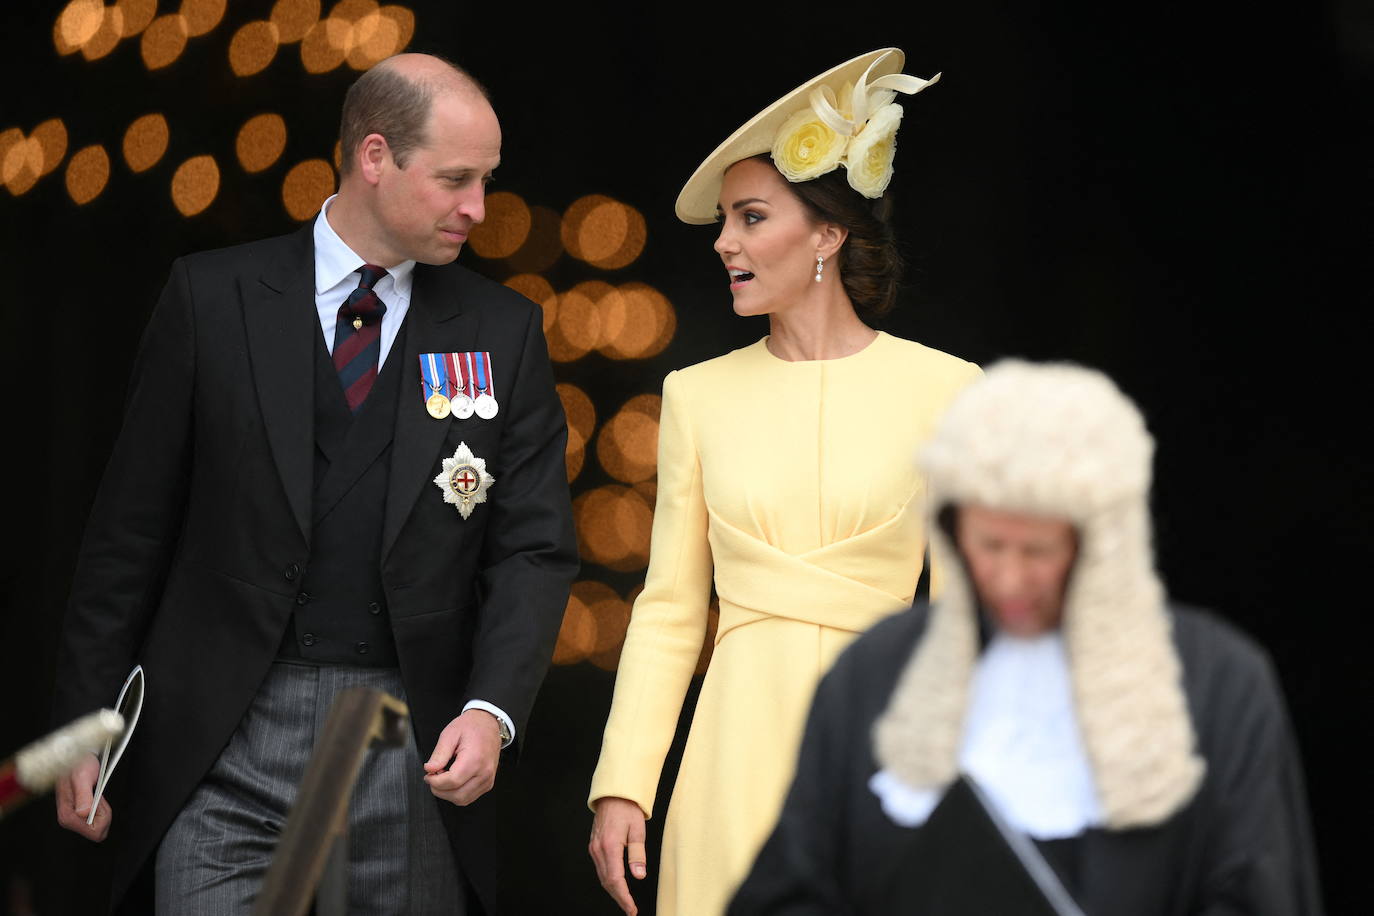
870, 264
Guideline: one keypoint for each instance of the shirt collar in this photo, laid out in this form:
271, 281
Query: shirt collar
334, 260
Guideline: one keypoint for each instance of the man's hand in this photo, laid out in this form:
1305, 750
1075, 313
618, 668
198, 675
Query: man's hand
618, 831
463, 766
74, 793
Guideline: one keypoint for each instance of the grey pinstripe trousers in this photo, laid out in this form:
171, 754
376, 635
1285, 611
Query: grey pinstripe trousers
214, 857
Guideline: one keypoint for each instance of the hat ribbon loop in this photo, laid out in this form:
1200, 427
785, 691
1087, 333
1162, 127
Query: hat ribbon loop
866, 98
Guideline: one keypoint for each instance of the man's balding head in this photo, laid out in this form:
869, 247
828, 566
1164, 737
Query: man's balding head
394, 99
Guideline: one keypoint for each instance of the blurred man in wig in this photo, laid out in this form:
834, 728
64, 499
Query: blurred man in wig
1144, 748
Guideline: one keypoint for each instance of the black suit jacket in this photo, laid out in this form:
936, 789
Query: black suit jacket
200, 532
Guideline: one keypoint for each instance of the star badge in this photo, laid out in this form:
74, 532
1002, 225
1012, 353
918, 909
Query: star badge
464, 480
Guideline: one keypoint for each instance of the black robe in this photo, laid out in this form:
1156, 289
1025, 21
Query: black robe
1242, 845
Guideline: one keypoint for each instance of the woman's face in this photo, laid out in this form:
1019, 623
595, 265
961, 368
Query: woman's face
767, 240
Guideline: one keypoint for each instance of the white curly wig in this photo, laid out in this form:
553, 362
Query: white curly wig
1055, 440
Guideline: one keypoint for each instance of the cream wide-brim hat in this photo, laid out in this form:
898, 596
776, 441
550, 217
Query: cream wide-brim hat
697, 202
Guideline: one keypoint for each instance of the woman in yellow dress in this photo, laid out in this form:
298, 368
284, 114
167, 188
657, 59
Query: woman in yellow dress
785, 472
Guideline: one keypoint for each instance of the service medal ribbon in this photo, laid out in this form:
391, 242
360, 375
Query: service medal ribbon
434, 378
462, 381
486, 389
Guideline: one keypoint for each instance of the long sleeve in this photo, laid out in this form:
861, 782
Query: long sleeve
668, 623
529, 555
1260, 855
137, 515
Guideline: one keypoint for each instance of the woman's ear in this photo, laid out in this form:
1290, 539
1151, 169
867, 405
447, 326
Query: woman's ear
830, 236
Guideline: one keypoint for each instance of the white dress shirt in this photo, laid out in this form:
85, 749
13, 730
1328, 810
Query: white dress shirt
336, 275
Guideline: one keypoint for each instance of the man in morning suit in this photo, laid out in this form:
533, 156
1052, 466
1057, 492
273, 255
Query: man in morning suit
282, 517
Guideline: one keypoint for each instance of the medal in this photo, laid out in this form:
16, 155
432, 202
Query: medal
438, 406
434, 382
357, 322
485, 403
464, 480
459, 399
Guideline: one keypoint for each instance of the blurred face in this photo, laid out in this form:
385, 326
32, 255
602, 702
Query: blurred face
427, 208
1020, 566
767, 241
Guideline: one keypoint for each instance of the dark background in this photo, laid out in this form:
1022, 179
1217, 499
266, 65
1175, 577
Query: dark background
1180, 198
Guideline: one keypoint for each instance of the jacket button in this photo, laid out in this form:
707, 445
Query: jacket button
291, 572
374, 608
308, 639
302, 597
361, 648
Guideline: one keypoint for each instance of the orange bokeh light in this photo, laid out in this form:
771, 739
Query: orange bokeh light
324, 46
612, 615
51, 137
163, 41
145, 142
505, 228
637, 323
137, 15
627, 446
87, 174
581, 414
202, 15
576, 326
603, 232
21, 161
293, 18
260, 142
708, 644
352, 11
106, 36
404, 20
613, 525
252, 48
77, 24
195, 184
536, 289
577, 635
373, 38
306, 187
542, 246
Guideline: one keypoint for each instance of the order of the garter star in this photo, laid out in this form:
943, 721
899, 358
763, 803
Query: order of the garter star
464, 480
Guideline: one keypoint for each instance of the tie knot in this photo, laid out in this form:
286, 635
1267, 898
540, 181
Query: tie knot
371, 273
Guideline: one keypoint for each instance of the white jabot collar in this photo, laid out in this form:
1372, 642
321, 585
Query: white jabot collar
1021, 744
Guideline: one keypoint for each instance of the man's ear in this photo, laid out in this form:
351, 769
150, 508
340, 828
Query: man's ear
374, 158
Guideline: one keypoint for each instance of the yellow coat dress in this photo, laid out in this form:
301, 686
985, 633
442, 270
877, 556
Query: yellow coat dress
795, 483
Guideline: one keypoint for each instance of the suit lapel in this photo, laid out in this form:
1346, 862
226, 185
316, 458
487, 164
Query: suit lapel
439, 323
282, 325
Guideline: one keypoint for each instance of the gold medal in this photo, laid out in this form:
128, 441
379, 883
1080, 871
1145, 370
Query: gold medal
438, 406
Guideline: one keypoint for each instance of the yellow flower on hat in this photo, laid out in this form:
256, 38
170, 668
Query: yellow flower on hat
868, 159
806, 147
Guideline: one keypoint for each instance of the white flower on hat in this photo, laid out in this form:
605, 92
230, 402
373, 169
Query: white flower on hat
869, 157
806, 147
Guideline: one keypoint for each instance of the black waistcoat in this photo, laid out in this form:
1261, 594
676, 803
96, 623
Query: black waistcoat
341, 615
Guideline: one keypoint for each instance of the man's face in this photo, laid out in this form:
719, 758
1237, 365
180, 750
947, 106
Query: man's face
1020, 566
427, 209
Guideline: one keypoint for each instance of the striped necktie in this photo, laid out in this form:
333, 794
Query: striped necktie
358, 338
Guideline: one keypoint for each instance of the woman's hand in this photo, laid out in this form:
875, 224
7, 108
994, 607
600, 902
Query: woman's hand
618, 833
